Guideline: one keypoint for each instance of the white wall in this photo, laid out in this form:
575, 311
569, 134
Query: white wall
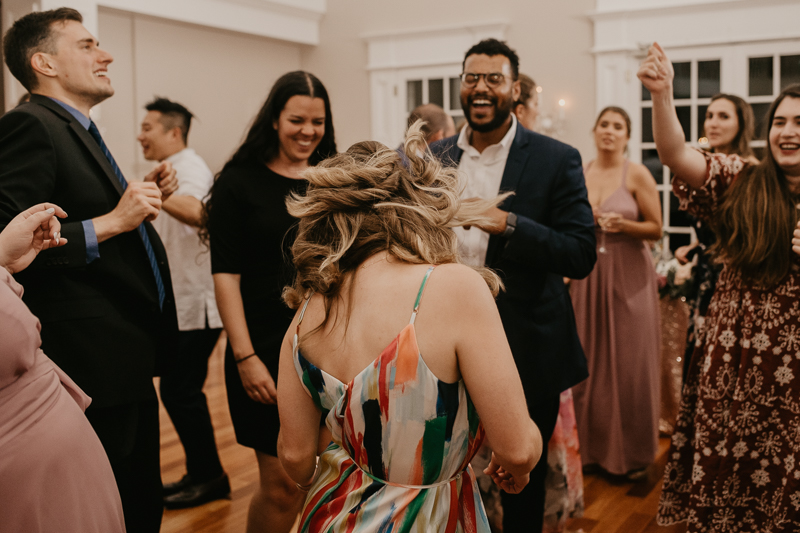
222, 77
553, 40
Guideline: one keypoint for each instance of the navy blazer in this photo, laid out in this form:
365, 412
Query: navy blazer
554, 238
101, 321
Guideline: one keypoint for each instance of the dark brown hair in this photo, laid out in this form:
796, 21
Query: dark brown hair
30, 35
755, 222
740, 145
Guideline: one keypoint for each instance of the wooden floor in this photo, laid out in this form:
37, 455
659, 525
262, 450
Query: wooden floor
612, 504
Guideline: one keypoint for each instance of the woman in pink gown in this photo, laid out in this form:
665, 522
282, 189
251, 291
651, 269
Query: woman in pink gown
54, 473
617, 310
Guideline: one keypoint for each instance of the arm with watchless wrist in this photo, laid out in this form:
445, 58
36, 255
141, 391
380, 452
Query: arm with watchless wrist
256, 379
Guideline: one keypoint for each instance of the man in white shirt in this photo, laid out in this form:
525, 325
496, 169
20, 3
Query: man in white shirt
163, 137
539, 235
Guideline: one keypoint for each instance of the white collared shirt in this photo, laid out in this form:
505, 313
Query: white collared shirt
481, 174
189, 259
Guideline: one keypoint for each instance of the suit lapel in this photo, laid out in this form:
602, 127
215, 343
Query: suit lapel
517, 157
84, 138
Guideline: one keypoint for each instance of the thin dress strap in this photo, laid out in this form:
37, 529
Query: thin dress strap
303, 313
419, 294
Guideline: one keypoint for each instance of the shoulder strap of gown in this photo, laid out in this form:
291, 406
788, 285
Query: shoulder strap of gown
419, 294
303, 312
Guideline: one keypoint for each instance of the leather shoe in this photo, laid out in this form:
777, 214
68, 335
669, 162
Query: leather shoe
194, 494
177, 486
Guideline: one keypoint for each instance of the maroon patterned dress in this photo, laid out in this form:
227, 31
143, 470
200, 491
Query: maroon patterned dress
733, 464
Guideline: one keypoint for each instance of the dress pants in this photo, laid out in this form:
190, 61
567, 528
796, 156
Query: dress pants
182, 393
130, 436
524, 512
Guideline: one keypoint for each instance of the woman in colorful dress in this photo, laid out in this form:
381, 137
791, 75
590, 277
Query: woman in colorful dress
732, 462
729, 127
617, 310
407, 361
250, 235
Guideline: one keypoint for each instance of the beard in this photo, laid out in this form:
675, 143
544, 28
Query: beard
501, 114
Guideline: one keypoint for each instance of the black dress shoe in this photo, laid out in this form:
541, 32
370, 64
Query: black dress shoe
194, 494
177, 486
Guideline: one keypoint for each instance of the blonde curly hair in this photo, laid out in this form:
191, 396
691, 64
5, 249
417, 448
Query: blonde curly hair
365, 201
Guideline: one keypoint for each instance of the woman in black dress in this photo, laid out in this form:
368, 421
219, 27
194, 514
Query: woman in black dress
250, 235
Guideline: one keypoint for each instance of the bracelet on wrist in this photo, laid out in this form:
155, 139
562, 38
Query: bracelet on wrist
245, 358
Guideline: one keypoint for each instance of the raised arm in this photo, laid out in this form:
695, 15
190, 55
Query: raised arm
656, 74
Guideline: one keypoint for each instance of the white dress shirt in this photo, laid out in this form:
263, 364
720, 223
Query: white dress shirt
481, 174
189, 259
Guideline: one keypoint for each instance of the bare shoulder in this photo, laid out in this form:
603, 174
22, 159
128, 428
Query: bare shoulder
460, 286
640, 176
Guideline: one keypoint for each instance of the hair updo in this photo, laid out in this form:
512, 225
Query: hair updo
365, 201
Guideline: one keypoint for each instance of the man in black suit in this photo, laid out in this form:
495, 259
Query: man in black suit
539, 235
104, 300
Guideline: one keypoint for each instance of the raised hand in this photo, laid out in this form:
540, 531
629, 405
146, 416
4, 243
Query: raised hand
165, 177
30, 232
796, 239
656, 72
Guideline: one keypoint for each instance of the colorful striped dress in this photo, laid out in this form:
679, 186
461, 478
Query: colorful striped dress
402, 442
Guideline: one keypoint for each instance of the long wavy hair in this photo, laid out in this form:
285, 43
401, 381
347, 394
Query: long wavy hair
755, 222
365, 201
261, 144
740, 145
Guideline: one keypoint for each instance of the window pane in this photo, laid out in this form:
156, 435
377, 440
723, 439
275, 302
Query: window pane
701, 119
413, 94
436, 92
653, 164
790, 70
685, 118
761, 76
647, 124
760, 112
707, 79
682, 85
455, 94
646, 94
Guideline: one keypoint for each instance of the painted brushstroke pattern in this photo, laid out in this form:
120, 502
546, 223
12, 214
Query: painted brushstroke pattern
394, 425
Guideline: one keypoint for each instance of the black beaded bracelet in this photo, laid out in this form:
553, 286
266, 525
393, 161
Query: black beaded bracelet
245, 357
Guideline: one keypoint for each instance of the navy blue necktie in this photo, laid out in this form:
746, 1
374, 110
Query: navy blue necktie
151, 255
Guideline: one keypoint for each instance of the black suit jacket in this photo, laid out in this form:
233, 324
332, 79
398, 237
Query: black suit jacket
554, 238
101, 321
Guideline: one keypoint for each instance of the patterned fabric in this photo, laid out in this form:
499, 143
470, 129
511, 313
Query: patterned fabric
402, 442
151, 255
732, 465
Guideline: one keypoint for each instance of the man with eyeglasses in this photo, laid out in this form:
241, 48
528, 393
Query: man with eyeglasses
539, 235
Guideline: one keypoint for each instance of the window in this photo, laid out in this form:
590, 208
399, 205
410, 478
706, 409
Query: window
767, 76
444, 91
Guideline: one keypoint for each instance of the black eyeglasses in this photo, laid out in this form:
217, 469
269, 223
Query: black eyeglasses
492, 79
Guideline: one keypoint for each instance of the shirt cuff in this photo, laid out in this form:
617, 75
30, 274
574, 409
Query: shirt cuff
92, 247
